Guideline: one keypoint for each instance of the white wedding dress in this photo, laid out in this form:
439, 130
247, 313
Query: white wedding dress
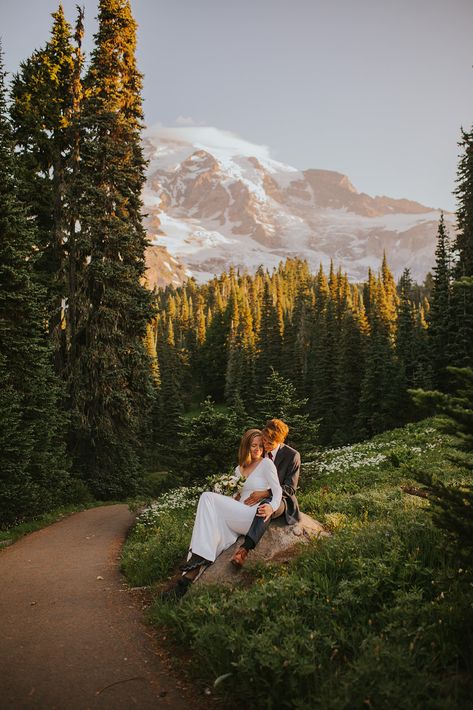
221, 519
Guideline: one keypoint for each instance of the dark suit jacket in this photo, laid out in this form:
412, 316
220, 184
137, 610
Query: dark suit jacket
288, 465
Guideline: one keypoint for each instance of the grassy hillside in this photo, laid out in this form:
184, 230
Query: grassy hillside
375, 616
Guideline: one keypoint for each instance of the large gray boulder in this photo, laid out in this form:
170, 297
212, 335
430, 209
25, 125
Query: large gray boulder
280, 543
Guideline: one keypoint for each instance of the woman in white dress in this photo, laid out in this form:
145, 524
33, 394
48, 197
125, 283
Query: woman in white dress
221, 519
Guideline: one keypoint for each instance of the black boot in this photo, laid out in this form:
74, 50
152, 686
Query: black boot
195, 561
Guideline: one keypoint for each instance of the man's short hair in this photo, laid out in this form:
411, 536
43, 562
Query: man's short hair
275, 430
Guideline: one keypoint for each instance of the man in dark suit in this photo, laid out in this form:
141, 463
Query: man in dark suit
288, 462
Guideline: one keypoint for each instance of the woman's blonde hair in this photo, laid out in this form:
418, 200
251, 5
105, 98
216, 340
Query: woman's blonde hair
244, 452
276, 430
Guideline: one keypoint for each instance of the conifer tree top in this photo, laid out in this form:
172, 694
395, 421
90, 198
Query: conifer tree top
113, 60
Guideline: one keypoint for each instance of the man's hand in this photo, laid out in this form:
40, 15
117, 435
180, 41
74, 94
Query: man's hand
264, 511
256, 496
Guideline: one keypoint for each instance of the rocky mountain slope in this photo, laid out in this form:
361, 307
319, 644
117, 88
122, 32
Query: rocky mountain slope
213, 200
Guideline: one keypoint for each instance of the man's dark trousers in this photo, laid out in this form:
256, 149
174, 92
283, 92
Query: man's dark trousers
258, 526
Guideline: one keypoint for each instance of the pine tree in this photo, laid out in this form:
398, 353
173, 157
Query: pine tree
297, 338
369, 293
198, 335
464, 194
410, 345
350, 373
200, 322
390, 295
383, 310
233, 370
440, 314
333, 283
213, 354
44, 103
240, 378
155, 409
168, 413
209, 443
452, 506
269, 345
422, 372
33, 465
323, 371
278, 399
462, 309
76, 259
462, 289
406, 328
383, 395
150, 343
110, 383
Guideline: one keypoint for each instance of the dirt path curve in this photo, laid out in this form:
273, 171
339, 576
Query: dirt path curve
70, 635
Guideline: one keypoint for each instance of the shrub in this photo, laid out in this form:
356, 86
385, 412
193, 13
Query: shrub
209, 443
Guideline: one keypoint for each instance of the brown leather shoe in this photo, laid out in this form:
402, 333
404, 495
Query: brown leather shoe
239, 557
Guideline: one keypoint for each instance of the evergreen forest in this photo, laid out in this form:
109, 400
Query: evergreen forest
111, 392
104, 381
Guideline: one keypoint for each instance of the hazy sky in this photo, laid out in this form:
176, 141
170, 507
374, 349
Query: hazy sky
376, 89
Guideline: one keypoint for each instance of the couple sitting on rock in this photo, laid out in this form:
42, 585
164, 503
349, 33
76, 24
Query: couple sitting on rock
271, 472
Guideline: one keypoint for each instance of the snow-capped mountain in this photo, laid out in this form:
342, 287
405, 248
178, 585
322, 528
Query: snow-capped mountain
214, 200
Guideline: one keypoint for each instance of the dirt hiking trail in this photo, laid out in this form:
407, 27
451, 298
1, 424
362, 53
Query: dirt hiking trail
72, 636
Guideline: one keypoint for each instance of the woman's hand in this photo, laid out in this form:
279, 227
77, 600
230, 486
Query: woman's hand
256, 496
264, 511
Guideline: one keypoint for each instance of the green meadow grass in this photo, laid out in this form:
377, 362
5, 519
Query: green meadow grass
375, 616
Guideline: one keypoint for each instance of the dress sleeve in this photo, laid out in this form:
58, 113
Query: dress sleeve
273, 483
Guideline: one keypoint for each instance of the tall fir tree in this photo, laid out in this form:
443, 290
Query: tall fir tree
33, 465
323, 370
350, 372
213, 352
209, 443
462, 289
452, 505
324, 353
75, 302
233, 369
440, 319
44, 102
150, 342
278, 398
391, 298
297, 337
168, 413
383, 394
369, 293
240, 377
462, 307
410, 345
110, 385
464, 195
406, 329
422, 376
269, 344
